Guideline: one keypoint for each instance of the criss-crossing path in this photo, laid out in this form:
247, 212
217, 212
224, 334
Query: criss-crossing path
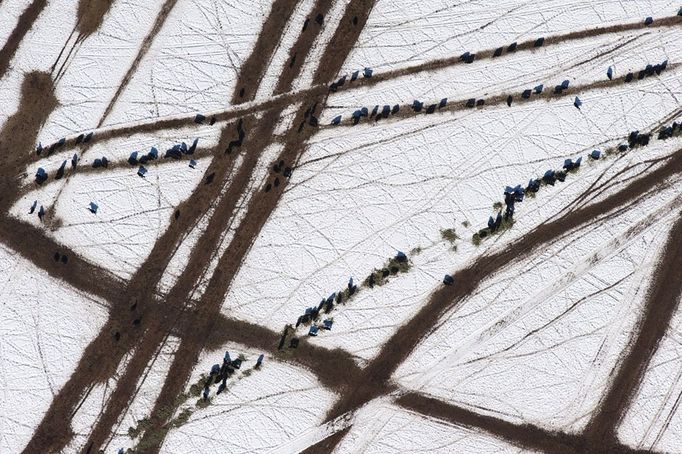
141, 319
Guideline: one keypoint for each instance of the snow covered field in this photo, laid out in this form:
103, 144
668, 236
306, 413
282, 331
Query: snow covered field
126, 279
45, 327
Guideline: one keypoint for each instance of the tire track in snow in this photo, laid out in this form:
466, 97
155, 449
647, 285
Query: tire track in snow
26, 21
100, 358
490, 331
124, 130
406, 338
663, 299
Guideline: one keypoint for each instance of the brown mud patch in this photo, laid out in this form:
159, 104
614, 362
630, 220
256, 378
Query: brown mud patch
91, 15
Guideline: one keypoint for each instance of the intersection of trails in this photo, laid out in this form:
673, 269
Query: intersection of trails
141, 320
130, 322
287, 98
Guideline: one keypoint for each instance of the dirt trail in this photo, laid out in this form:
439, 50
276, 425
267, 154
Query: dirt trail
199, 260
305, 41
289, 98
258, 211
459, 105
334, 368
407, 337
121, 334
251, 72
32, 243
26, 21
19, 132
487, 54
525, 436
17, 138
134, 303
328, 444
662, 301
144, 48
91, 15
100, 358
160, 326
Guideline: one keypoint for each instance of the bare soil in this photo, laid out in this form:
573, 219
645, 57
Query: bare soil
662, 302
142, 320
24, 24
91, 15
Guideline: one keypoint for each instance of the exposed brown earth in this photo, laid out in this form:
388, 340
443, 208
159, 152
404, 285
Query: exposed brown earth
459, 105
144, 48
662, 302
251, 73
441, 63
290, 98
91, 15
258, 211
334, 368
327, 445
105, 352
406, 338
24, 24
19, 132
135, 368
34, 245
141, 323
525, 436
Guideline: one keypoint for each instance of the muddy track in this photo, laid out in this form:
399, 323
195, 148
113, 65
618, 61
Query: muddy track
105, 352
159, 326
91, 15
199, 259
251, 73
487, 54
144, 48
258, 211
525, 436
406, 112
327, 445
305, 40
334, 368
289, 98
26, 21
548, 95
662, 301
55, 428
32, 243
407, 337
134, 305
19, 133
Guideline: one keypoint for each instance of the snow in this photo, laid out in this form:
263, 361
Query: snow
45, 325
193, 62
96, 67
581, 62
281, 59
257, 412
37, 51
133, 212
10, 10
536, 343
361, 194
411, 32
382, 427
653, 420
